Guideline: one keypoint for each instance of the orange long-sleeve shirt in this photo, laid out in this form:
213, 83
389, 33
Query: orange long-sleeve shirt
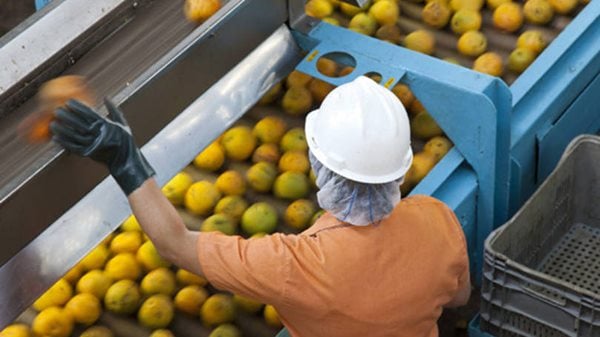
339, 280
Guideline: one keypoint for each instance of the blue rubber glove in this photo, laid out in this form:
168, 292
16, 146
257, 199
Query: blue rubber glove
81, 130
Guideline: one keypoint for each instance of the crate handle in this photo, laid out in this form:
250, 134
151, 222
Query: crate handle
544, 297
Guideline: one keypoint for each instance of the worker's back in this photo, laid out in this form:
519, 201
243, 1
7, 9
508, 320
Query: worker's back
336, 279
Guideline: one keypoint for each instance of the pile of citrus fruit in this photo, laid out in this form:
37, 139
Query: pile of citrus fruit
498, 37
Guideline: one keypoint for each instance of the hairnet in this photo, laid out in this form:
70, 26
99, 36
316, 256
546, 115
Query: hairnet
355, 203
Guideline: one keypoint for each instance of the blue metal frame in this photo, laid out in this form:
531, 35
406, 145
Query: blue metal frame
472, 109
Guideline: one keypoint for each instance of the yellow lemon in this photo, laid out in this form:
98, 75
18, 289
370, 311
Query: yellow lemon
363, 23
539, 12
239, 142
267, 152
126, 242
96, 258
231, 182
291, 186
520, 59
200, 10
212, 158
73, 275
294, 161
58, 294
260, 217
489, 63
438, 147
349, 10
217, 309
422, 163
219, 223
472, 43
97, 331
123, 297
493, 4
465, 20
225, 330
271, 316
474, 5
297, 79
421, 41
202, 197
190, 299
385, 12
156, 312
532, 40
95, 282
294, 139
185, 277
299, 213
248, 305
123, 266
53, 322
436, 14
149, 258
85, 308
233, 206
297, 101
318, 8
175, 189
270, 129
131, 225
158, 281
16, 330
508, 17
261, 176
403, 92
326, 66
162, 333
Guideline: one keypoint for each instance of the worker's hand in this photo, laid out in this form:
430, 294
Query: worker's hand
81, 130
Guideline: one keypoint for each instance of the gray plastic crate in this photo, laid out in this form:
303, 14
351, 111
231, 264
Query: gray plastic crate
541, 272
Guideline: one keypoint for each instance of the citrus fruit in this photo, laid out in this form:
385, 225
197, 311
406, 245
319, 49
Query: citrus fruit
436, 14
422, 163
474, 5
385, 12
158, 281
131, 224
416, 107
16, 330
489, 63
451, 60
156, 312
270, 129
233, 206
402, 91
299, 213
318, 8
472, 43
267, 152
211, 158
312, 176
185, 277
73, 275
53, 322
520, 59
421, 41
149, 258
231, 182
96, 258
246, 304
123, 297
271, 95
438, 147
123, 266
319, 89
261, 176
219, 223
200, 10
349, 10
346, 70
294, 139
271, 316
326, 67
297, 79
508, 17
162, 333
259, 217
539, 12
57, 295
95, 282
217, 309
201, 198
297, 101
225, 330
97, 331
532, 40
175, 189
493, 4
390, 33
423, 126
126, 242
291, 186
563, 6
465, 20
363, 23
316, 216
294, 161
239, 142
85, 308
190, 299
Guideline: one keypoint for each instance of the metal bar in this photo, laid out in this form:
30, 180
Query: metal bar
58, 248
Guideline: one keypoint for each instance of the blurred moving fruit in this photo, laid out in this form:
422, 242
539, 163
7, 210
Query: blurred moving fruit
233, 206
122, 297
390, 33
520, 59
299, 214
201, 198
231, 182
349, 10
96, 258
246, 304
212, 158
423, 126
326, 67
53, 322
538, 12
267, 152
271, 316
416, 107
493, 4
451, 60
347, 70
271, 95
73, 275
158, 281
465, 20
149, 258
438, 147
385, 12
199, 10
126, 242
291, 186
472, 43
294, 139
363, 23
259, 217
95, 282
261, 176
332, 21
175, 189
217, 309
422, 163
318, 8
190, 299
226, 330
16, 330
319, 89
402, 91
316, 216
219, 223
185, 277
270, 129
294, 161
57, 295
297, 79
489, 63
563, 6
508, 17
85, 308
162, 333
131, 224
297, 101
239, 143
533, 40
474, 5
156, 312
97, 331
123, 266
421, 41
436, 14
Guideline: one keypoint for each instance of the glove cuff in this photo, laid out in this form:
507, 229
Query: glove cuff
134, 172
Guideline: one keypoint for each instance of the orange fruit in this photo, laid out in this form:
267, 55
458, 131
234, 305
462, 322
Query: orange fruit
423, 126
538, 12
16, 330
520, 59
295, 161
201, 198
318, 8
299, 214
123, 297
232, 205
188, 278
53, 322
261, 176
217, 309
291, 186
156, 312
57, 295
297, 79
402, 91
149, 257
266, 152
259, 218
85, 308
297, 101
190, 299
271, 95
563, 6
421, 41
508, 17
123, 266
319, 89
474, 5
465, 20
436, 14
158, 281
294, 139
239, 143
327, 67
489, 63
175, 189
438, 147
493, 4
211, 158
532, 40
231, 182
270, 129
472, 43
363, 23
271, 316
390, 33
219, 223
385, 12
95, 282
200, 10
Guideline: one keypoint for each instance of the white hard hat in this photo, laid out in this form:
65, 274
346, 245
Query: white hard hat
361, 132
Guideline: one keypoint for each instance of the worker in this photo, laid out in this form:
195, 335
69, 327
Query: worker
372, 265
